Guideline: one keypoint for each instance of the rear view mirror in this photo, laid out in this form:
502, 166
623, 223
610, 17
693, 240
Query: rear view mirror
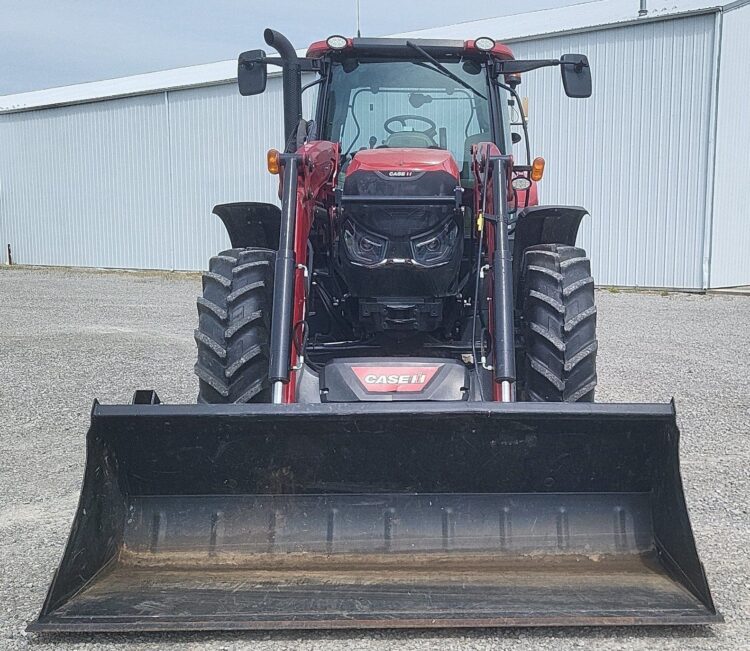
576, 75
251, 72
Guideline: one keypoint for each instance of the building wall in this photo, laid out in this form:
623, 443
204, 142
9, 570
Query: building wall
730, 235
635, 154
80, 185
131, 182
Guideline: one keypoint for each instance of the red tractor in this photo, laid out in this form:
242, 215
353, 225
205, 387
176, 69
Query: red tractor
397, 369
408, 246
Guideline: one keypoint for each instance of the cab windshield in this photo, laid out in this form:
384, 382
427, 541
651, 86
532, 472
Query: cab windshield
396, 104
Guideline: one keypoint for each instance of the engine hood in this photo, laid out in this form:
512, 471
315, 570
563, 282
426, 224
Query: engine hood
411, 244
402, 163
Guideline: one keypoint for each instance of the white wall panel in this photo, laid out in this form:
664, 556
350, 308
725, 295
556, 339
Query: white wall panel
131, 182
84, 185
730, 236
218, 144
635, 154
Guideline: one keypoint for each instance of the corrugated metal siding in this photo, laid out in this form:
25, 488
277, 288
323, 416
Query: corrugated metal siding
218, 144
131, 182
83, 185
635, 154
730, 238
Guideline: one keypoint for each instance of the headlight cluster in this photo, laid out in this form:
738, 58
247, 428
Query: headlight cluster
363, 247
427, 250
436, 248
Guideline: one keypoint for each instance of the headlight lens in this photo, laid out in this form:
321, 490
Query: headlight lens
363, 247
484, 43
337, 42
436, 248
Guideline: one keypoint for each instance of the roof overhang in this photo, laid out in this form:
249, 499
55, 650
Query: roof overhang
586, 16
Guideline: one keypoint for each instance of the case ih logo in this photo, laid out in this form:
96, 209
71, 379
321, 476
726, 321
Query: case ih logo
389, 379
400, 173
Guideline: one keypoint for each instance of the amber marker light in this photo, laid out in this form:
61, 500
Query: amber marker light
273, 160
537, 169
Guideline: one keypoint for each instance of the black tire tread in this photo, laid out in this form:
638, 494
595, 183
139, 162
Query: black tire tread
233, 327
559, 324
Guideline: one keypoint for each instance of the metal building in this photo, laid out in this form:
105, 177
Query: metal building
124, 173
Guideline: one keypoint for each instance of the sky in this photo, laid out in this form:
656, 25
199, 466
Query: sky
48, 43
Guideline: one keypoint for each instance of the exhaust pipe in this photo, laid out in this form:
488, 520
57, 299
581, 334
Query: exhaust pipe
291, 80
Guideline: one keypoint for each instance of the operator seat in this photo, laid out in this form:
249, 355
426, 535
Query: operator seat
409, 139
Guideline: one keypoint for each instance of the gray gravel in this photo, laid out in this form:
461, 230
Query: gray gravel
68, 336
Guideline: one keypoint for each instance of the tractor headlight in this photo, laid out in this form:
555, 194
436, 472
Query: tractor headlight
337, 42
484, 43
435, 249
363, 247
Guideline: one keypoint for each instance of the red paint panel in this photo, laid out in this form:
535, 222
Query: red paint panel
317, 173
409, 158
395, 379
533, 200
499, 50
319, 48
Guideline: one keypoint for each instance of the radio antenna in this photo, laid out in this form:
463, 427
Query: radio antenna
358, 16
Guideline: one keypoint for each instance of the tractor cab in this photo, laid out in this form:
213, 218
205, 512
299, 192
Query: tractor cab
394, 234
406, 115
393, 94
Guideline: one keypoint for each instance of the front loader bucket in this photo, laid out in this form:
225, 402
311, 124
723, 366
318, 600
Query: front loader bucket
379, 515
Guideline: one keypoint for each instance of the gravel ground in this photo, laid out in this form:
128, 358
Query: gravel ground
69, 336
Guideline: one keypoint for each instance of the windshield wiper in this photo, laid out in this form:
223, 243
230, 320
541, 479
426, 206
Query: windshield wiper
442, 69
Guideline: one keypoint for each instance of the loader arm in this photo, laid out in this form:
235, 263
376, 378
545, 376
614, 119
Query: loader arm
306, 180
492, 172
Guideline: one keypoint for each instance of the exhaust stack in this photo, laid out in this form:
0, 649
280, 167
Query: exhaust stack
291, 80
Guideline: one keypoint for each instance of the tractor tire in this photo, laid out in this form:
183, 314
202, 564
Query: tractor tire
234, 318
559, 324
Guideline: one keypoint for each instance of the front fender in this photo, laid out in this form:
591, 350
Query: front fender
250, 223
544, 225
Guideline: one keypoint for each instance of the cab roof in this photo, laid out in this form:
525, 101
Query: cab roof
397, 47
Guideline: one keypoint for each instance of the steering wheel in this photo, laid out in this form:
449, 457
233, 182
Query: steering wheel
401, 119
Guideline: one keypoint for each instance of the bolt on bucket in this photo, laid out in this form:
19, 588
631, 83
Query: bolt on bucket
372, 515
